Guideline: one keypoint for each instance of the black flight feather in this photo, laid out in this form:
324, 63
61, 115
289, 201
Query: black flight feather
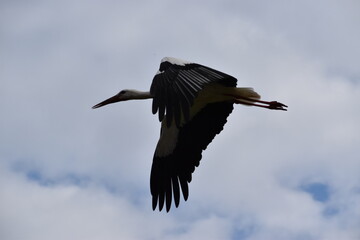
194, 136
177, 84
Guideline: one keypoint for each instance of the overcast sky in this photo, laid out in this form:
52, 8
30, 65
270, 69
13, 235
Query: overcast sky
70, 172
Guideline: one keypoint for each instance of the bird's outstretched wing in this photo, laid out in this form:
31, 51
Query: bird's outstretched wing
176, 85
172, 168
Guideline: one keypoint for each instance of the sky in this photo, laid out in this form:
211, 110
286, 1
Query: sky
70, 172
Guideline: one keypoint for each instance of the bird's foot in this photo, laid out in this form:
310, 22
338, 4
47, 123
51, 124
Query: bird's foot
274, 105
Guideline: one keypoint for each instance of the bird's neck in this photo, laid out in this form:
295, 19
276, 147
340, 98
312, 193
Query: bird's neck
135, 94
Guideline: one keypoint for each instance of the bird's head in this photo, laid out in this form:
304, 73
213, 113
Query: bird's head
123, 95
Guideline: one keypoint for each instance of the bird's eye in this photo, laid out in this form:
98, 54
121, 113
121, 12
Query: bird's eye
122, 92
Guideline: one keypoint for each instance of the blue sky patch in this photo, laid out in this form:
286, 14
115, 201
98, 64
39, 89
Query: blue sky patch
34, 174
319, 191
330, 211
243, 233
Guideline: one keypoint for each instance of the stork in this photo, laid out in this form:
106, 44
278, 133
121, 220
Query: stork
193, 102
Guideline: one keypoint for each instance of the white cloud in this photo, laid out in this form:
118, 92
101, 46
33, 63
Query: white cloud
33, 211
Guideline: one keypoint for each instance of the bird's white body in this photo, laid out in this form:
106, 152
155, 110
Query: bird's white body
174, 61
213, 93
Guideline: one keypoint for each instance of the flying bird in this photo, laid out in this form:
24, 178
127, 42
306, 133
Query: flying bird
193, 102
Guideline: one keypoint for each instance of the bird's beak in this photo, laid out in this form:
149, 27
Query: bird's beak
113, 99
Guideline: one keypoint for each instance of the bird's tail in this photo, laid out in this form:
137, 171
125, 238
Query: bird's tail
245, 96
246, 93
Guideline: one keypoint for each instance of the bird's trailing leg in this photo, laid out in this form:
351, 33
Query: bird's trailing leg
274, 105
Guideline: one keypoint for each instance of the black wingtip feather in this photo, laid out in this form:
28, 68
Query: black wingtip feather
154, 202
176, 189
184, 188
161, 200
168, 195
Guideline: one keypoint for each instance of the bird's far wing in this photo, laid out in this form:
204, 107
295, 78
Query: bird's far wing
174, 162
176, 85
